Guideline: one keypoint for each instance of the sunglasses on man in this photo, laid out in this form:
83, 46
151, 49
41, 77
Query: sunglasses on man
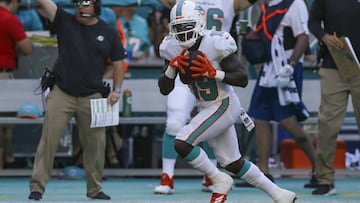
83, 3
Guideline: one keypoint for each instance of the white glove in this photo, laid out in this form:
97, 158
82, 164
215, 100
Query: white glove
284, 76
286, 71
282, 81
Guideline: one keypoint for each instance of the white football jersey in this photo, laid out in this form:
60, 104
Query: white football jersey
216, 45
219, 13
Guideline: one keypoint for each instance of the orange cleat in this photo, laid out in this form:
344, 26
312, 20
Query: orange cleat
166, 186
207, 184
218, 198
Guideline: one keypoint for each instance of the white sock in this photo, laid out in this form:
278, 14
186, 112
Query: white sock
203, 163
214, 161
168, 166
257, 178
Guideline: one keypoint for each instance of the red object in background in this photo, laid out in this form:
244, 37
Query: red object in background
294, 158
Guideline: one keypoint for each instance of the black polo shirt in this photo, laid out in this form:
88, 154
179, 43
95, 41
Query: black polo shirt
335, 16
83, 53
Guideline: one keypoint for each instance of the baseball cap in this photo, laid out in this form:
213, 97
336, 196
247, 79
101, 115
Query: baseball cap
29, 110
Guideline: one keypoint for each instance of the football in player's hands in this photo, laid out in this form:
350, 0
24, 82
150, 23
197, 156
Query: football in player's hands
186, 77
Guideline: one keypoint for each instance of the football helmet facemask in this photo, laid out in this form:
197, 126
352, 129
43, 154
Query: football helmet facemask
187, 22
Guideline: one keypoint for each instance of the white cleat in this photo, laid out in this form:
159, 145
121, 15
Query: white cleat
222, 183
163, 190
166, 186
284, 196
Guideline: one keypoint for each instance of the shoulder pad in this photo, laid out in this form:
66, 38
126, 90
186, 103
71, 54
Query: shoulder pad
224, 42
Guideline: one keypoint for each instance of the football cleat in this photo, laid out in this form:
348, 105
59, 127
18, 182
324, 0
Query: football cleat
284, 196
218, 198
325, 190
166, 186
207, 184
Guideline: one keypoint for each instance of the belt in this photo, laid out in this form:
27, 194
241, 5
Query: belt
6, 69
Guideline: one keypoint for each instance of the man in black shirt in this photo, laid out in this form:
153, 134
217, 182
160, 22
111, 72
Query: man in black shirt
330, 19
86, 45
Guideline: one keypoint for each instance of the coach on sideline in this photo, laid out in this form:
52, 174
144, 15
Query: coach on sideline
86, 44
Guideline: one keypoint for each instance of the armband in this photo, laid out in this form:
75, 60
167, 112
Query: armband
170, 72
117, 89
220, 75
252, 1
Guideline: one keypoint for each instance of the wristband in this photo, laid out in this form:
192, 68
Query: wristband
220, 75
170, 72
117, 89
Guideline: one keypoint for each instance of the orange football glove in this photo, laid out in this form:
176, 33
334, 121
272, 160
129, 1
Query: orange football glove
180, 61
202, 67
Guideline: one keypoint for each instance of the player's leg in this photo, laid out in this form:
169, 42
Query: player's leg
227, 152
209, 123
260, 110
263, 144
180, 103
169, 156
207, 184
292, 126
289, 117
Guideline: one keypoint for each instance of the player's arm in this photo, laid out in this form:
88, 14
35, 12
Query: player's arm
232, 72
235, 73
166, 80
240, 5
49, 7
302, 42
168, 3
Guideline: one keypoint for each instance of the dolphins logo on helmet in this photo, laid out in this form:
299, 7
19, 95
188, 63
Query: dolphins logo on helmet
187, 22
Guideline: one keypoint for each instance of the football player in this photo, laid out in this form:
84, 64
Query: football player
219, 16
213, 74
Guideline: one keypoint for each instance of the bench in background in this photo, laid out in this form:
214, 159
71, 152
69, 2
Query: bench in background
148, 105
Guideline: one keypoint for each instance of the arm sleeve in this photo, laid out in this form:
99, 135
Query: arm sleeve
299, 18
117, 50
17, 31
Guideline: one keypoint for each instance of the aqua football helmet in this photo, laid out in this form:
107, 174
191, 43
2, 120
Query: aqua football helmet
187, 22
